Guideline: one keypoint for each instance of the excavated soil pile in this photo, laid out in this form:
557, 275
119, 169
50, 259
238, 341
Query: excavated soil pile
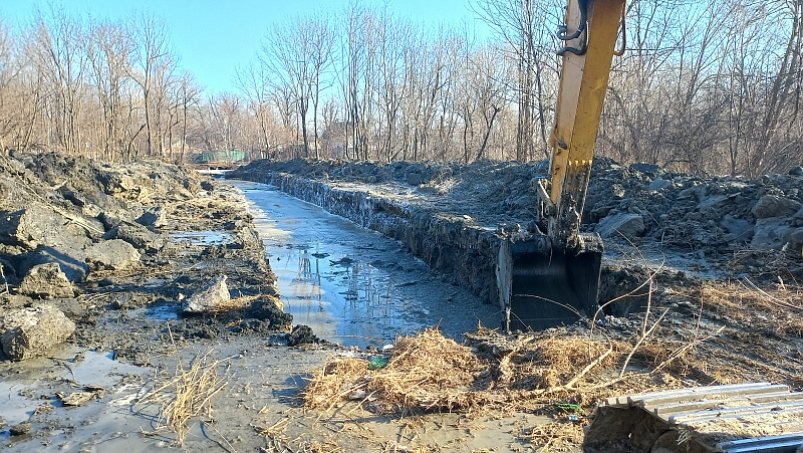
454, 216
720, 218
108, 257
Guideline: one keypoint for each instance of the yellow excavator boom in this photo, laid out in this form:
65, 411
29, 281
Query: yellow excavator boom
581, 95
551, 276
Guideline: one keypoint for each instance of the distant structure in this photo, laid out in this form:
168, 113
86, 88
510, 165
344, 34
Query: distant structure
219, 160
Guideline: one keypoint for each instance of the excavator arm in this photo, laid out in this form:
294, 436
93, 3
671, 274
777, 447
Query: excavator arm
551, 277
583, 83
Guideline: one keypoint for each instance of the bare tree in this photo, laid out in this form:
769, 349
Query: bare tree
57, 47
297, 55
521, 24
154, 71
110, 49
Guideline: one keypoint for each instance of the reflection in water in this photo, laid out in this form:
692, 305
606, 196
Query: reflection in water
306, 286
327, 280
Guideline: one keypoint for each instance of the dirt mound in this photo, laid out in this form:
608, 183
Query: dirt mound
98, 240
731, 225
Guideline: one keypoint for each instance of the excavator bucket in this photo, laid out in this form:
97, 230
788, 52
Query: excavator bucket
542, 286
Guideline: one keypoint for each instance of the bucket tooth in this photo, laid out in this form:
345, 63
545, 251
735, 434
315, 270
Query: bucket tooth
543, 286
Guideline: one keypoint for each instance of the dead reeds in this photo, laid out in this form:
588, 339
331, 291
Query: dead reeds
426, 372
185, 395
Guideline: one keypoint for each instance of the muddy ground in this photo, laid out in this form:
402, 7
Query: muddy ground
700, 275
113, 284
724, 226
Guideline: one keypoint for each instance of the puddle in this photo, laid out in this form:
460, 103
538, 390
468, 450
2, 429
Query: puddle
20, 398
16, 408
160, 311
353, 286
99, 368
203, 237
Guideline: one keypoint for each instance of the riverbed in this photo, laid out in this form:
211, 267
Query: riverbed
351, 285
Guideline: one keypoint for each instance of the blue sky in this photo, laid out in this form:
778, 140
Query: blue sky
213, 37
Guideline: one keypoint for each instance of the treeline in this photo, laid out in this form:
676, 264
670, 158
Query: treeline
97, 88
706, 87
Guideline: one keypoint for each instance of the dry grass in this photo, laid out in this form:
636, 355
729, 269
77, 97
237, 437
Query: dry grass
426, 372
553, 361
235, 303
745, 302
338, 379
278, 441
185, 396
556, 437
711, 333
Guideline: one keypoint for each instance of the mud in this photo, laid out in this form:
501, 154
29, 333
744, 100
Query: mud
453, 216
83, 262
69, 217
351, 285
345, 284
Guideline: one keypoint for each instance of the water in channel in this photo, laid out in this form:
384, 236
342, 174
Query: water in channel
353, 286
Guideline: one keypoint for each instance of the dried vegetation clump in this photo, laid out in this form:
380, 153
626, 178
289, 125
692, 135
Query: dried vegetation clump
707, 334
552, 361
425, 372
428, 372
184, 396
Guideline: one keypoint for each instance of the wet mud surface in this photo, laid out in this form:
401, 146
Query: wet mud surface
358, 288
352, 285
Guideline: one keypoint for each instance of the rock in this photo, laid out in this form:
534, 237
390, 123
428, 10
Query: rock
625, 224
209, 297
71, 307
152, 218
21, 429
75, 399
138, 236
659, 184
110, 221
46, 281
9, 226
73, 197
794, 237
115, 182
796, 171
301, 334
72, 263
31, 332
774, 206
8, 300
770, 233
738, 229
645, 168
113, 254
712, 202
208, 186
39, 225
415, 179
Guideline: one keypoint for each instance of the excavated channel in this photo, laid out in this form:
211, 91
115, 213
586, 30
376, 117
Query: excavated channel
352, 285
